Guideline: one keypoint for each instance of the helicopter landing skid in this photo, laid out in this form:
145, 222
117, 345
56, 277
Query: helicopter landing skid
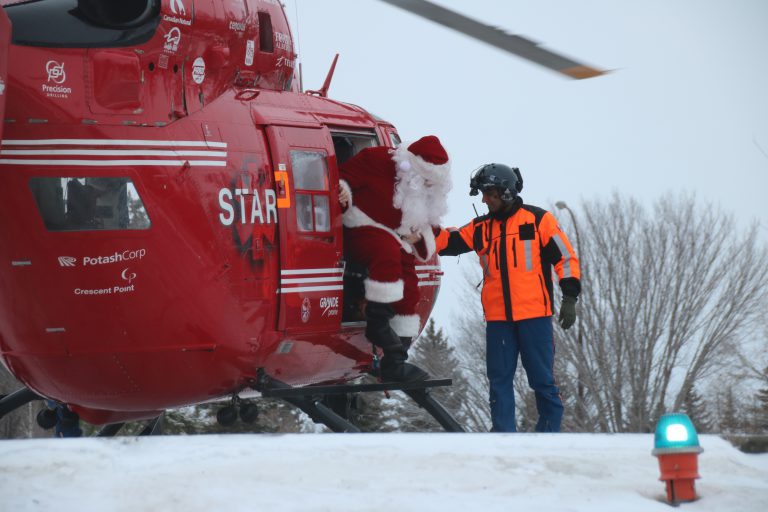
13, 401
154, 427
310, 399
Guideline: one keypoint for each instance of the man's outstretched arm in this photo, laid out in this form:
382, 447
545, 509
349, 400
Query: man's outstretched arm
450, 242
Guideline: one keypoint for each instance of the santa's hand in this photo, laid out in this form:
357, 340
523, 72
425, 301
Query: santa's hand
412, 238
344, 196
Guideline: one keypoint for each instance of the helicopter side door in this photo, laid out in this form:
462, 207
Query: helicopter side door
309, 219
5, 42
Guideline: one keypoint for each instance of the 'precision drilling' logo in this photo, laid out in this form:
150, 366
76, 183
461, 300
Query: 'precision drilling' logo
57, 76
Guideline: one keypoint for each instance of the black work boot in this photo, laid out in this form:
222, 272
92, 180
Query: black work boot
406, 341
377, 329
381, 334
394, 368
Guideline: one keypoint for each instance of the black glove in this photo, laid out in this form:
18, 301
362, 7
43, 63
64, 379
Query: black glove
567, 312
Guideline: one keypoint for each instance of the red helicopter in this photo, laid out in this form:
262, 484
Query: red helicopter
170, 228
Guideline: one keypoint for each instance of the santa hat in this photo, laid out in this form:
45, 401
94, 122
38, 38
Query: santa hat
426, 157
430, 150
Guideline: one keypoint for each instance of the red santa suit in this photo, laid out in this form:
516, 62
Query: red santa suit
395, 192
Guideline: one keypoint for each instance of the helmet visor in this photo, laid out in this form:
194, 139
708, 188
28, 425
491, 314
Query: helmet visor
477, 181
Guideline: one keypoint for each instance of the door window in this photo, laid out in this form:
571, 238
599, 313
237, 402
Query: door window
310, 180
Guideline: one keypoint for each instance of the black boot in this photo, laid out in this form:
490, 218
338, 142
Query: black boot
394, 368
381, 334
377, 329
406, 343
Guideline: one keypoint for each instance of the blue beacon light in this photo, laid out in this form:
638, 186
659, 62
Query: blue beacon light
675, 433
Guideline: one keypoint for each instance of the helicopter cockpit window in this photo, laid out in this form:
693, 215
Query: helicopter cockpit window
310, 179
266, 39
89, 204
84, 23
393, 137
347, 145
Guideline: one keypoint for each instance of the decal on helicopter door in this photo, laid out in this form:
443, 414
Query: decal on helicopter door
283, 187
304, 280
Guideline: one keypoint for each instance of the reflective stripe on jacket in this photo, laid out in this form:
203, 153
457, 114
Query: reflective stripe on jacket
517, 253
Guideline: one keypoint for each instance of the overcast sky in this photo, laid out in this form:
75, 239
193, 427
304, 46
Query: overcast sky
686, 108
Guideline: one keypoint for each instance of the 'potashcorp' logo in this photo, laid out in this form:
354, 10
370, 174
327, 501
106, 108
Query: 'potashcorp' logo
117, 257
67, 261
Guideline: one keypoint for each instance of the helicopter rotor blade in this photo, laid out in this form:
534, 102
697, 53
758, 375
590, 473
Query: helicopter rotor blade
494, 36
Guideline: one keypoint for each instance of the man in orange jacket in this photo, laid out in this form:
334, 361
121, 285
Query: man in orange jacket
518, 245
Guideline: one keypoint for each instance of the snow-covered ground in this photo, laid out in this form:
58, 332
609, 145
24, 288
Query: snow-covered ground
367, 472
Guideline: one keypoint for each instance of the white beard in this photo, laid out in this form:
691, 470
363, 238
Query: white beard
421, 191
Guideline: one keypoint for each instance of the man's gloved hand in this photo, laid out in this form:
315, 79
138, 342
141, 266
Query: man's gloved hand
567, 312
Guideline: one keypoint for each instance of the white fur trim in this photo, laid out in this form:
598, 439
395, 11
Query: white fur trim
380, 291
421, 191
343, 184
354, 217
406, 325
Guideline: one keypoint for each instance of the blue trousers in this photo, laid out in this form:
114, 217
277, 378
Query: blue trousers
533, 341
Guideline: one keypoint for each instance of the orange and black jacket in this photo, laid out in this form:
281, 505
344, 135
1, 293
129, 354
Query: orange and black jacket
517, 252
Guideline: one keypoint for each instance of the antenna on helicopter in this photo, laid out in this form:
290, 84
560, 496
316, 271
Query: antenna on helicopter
323, 92
298, 47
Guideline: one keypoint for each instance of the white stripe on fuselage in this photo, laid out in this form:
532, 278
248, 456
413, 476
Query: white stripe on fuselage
115, 142
111, 163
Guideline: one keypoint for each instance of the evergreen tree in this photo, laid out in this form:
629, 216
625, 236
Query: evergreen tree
274, 416
433, 353
22, 422
761, 412
694, 407
384, 412
137, 214
729, 416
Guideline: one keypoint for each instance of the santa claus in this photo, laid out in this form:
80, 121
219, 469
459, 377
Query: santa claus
393, 199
